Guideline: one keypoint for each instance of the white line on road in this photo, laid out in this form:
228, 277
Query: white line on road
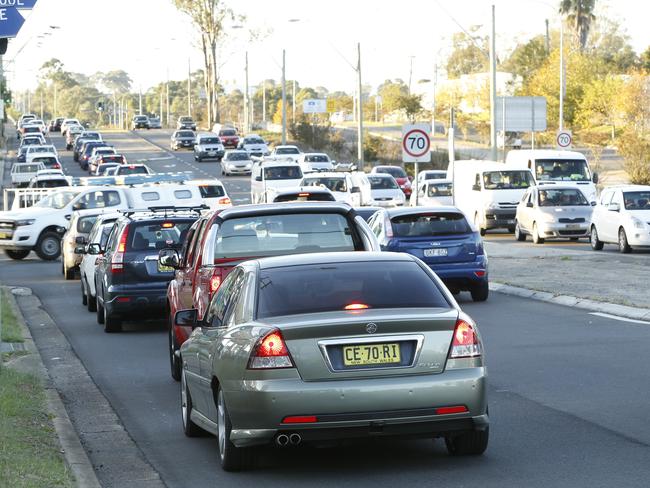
622, 319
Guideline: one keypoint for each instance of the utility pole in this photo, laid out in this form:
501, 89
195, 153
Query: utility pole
161, 106
561, 124
293, 102
140, 101
246, 101
360, 107
189, 88
167, 90
493, 91
264, 102
433, 110
410, 73
548, 38
56, 108
114, 109
29, 102
284, 100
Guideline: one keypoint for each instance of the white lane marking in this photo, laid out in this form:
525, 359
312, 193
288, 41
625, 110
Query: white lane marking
616, 317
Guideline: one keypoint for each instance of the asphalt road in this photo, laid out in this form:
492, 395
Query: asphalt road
568, 391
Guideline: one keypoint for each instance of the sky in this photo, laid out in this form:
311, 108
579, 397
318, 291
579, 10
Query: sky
151, 40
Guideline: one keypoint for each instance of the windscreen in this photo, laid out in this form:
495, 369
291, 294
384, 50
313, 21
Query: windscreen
317, 158
158, 235
435, 176
287, 150
506, 180
28, 168
90, 135
212, 191
185, 133
430, 224
273, 235
282, 173
237, 156
394, 171
305, 197
380, 183
637, 200
85, 224
186, 119
332, 184
210, 140
228, 132
439, 190
332, 287
561, 170
253, 140
561, 198
58, 200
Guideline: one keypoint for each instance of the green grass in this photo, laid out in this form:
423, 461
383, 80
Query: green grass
29, 452
10, 327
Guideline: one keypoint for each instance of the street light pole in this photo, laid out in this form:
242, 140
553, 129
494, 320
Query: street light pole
284, 100
561, 124
293, 102
433, 110
493, 91
246, 101
264, 103
189, 88
360, 107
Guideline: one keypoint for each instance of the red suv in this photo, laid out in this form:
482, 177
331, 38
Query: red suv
229, 138
219, 241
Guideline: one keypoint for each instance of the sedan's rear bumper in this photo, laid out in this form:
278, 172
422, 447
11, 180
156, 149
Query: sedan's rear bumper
348, 408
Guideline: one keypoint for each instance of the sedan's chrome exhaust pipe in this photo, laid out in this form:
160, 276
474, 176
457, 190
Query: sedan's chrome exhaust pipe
295, 439
282, 440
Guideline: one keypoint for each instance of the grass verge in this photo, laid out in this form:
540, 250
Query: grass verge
29, 451
10, 327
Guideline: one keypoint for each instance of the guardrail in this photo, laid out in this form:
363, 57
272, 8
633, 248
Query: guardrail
16, 198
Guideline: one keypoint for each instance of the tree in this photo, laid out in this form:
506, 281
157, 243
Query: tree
611, 43
391, 93
470, 54
411, 104
580, 14
117, 81
600, 105
210, 17
635, 149
526, 58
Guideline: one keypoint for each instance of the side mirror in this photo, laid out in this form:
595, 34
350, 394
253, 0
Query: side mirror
594, 178
410, 178
80, 250
94, 249
614, 207
476, 187
593, 204
529, 204
186, 318
79, 206
258, 178
355, 189
169, 257
81, 240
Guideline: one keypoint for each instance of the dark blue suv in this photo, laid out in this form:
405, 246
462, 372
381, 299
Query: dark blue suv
130, 281
443, 239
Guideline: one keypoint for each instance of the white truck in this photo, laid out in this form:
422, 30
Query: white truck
488, 192
270, 174
22, 173
550, 167
39, 228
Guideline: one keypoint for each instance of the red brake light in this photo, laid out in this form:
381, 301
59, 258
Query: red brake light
303, 194
300, 419
465, 343
270, 352
480, 274
449, 410
356, 306
215, 283
117, 263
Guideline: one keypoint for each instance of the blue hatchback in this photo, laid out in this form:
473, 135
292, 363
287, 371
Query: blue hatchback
443, 239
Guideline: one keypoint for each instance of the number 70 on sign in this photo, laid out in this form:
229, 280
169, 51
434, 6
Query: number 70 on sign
416, 143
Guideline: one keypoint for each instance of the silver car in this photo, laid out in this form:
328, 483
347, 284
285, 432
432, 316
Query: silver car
313, 348
553, 212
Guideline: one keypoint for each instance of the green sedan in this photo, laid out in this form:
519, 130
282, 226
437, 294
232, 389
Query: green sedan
314, 348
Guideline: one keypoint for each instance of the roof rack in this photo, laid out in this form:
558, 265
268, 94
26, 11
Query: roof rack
132, 180
166, 209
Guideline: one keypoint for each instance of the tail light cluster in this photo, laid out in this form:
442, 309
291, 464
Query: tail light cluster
465, 342
224, 201
117, 263
270, 352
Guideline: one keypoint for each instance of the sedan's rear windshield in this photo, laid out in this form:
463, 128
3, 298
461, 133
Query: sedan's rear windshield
637, 200
381, 183
332, 184
439, 190
51, 183
253, 140
132, 170
282, 173
113, 159
430, 224
287, 150
211, 191
394, 171
238, 156
273, 235
333, 287
158, 235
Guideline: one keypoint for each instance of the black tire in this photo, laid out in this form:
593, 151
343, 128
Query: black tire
68, 147
84, 297
519, 235
189, 428
623, 246
536, 238
92, 301
174, 361
17, 255
99, 309
596, 244
111, 322
511, 228
231, 457
480, 291
48, 247
574, 239
472, 443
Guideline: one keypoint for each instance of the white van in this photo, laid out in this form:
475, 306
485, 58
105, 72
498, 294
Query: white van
488, 192
268, 174
550, 167
340, 184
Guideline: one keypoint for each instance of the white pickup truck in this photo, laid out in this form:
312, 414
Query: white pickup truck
269, 175
40, 228
22, 173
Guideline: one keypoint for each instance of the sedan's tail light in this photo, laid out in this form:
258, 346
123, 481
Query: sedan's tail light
270, 352
465, 342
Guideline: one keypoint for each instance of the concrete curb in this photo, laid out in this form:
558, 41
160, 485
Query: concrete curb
633, 313
75, 455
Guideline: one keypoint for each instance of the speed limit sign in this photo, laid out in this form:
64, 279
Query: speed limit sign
564, 139
416, 144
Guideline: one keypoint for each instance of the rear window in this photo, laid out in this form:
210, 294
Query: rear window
28, 168
287, 150
132, 170
158, 235
430, 224
394, 171
332, 184
212, 191
439, 190
318, 158
112, 159
182, 194
52, 183
380, 183
637, 200
282, 173
253, 140
85, 224
305, 197
275, 235
331, 287
435, 176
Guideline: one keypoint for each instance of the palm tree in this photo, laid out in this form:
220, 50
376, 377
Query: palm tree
580, 14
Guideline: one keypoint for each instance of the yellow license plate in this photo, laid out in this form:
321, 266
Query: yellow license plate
371, 354
164, 269
4, 235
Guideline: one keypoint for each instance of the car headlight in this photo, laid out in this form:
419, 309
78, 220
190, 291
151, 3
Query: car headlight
547, 217
20, 223
493, 206
638, 224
